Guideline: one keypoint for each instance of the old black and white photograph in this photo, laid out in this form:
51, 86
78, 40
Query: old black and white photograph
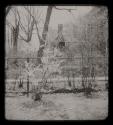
56, 62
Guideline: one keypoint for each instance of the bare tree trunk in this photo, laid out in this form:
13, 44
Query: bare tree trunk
44, 34
15, 38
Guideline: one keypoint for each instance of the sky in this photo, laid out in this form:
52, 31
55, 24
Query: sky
57, 17
63, 16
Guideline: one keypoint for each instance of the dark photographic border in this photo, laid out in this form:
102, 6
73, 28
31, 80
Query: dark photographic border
3, 5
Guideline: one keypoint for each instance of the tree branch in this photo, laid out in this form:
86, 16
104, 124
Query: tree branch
23, 28
8, 9
63, 9
22, 38
34, 22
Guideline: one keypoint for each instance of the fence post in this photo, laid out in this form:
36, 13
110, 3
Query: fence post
28, 86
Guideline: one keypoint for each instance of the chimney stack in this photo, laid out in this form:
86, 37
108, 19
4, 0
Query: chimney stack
60, 28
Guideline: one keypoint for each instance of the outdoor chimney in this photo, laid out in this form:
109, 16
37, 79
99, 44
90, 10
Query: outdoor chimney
60, 28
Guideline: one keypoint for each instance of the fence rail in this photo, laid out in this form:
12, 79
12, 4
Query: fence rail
76, 57
58, 79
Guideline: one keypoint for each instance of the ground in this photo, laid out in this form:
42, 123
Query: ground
58, 107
